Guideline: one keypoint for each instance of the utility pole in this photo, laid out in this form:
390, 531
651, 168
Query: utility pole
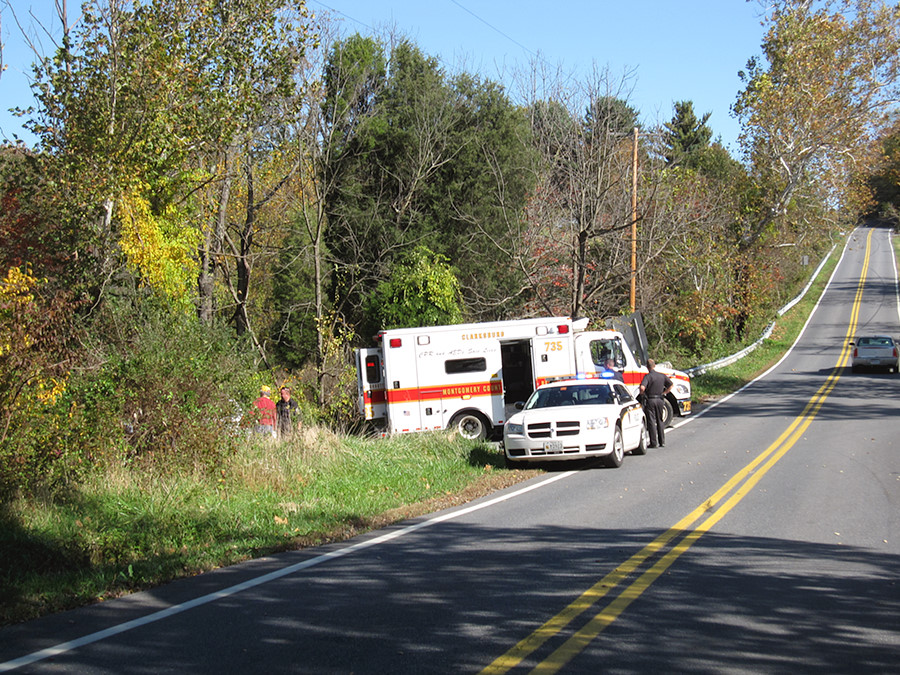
634, 183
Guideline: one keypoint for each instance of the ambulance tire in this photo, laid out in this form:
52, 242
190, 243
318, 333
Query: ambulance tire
470, 425
668, 413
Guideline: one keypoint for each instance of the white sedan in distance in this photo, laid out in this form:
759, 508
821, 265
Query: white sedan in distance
576, 419
875, 351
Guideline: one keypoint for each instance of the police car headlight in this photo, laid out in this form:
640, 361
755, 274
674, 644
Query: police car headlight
597, 423
513, 428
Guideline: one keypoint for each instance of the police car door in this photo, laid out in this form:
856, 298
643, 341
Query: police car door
631, 415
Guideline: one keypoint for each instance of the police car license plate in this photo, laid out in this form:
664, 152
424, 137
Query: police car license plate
551, 447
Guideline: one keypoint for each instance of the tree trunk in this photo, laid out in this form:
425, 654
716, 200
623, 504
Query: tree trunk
212, 246
320, 317
243, 263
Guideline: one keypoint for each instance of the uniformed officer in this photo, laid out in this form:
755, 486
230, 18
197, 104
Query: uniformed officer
611, 373
654, 387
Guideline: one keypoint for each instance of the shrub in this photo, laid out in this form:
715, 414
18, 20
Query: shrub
177, 389
36, 332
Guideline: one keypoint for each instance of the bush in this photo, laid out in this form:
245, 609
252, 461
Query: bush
152, 387
36, 331
177, 389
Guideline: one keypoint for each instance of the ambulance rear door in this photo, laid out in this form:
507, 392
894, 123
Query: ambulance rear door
370, 383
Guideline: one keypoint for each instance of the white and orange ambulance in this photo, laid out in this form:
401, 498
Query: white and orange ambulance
471, 376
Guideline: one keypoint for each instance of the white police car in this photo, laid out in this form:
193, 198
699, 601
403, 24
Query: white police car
576, 419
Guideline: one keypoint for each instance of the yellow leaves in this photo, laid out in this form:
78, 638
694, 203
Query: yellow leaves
160, 247
48, 392
16, 292
17, 286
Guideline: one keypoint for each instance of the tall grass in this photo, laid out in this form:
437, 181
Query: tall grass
123, 529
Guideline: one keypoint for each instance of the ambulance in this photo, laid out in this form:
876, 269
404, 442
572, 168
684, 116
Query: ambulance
470, 377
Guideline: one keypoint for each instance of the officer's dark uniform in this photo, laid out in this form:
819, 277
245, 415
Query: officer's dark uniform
655, 385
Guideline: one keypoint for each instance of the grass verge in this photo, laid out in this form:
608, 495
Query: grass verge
122, 531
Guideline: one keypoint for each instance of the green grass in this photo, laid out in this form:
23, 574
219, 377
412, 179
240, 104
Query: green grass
121, 531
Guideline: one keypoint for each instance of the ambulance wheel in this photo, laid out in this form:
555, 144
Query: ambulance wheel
668, 413
470, 425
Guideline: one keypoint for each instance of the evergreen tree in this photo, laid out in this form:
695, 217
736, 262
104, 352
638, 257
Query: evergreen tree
433, 161
686, 134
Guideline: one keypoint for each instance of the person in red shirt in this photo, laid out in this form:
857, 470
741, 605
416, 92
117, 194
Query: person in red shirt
265, 412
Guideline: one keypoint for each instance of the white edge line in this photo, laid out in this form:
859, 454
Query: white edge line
64, 647
896, 277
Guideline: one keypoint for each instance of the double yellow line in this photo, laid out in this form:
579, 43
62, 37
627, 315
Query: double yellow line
738, 486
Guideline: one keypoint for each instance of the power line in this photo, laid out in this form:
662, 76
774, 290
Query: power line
455, 2
493, 28
344, 14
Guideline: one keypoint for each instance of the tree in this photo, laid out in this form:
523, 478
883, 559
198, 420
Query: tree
686, 135
427, 160
582, 203
481, 192
884, 180
324, 127
249, 56
150, 111
422, 290
811, 109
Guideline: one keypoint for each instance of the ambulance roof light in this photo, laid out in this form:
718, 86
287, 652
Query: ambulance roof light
562, 329
396, 342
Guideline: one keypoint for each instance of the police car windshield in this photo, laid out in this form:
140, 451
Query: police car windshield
584, 394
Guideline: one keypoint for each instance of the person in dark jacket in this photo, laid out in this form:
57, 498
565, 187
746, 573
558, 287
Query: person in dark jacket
610, 372
287, 413
654, 388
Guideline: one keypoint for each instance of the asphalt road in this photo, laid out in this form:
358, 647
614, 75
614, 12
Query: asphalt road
764, 538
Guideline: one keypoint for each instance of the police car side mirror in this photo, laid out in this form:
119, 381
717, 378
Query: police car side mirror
520, 405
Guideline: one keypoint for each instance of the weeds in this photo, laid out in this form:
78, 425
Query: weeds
124, 529
717, 383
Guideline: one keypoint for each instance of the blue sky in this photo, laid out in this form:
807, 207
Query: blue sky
676, 49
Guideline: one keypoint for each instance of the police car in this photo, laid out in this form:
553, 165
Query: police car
576, 419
